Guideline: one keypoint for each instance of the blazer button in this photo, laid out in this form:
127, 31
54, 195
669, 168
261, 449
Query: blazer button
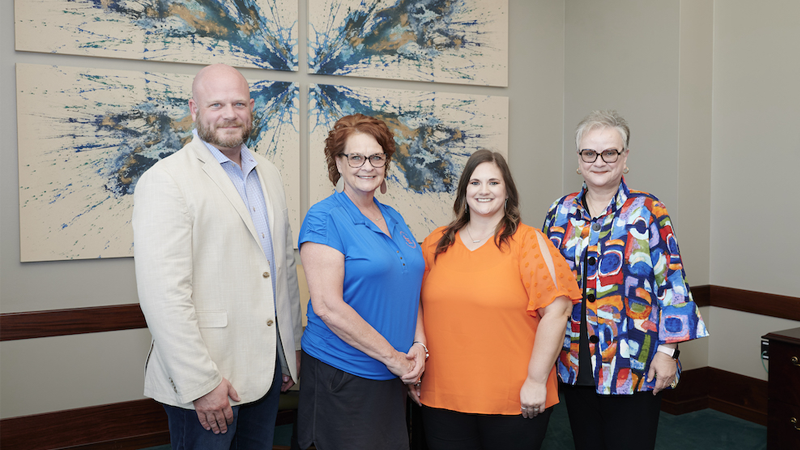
594, 339
591, 260
265, 275
270, 322
591, 298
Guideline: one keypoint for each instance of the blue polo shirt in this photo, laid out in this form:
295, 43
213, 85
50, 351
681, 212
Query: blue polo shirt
382, 279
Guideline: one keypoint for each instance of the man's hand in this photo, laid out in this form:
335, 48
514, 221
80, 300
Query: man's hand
287, 382
287, 379
214, 409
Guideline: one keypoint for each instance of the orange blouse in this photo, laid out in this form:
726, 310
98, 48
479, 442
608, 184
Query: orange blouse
480, 316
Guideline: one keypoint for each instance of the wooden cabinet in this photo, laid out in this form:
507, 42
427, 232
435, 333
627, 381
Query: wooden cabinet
783, 426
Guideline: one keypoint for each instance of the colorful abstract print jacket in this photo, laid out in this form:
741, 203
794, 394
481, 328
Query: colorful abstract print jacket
634, 285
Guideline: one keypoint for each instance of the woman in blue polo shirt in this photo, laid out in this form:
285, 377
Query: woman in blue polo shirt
364, 339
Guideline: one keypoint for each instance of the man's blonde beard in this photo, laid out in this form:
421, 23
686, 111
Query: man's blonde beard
209, 134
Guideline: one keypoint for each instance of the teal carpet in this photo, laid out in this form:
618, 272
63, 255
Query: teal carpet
705, 429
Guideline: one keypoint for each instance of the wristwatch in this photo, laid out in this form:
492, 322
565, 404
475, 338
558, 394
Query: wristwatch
669, 351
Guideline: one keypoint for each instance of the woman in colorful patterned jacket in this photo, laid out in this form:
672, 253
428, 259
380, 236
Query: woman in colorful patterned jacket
621, 346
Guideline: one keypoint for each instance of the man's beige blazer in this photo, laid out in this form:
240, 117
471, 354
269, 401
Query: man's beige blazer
204, 282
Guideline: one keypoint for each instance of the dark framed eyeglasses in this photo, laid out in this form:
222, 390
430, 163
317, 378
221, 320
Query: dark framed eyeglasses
356, 160
610, 156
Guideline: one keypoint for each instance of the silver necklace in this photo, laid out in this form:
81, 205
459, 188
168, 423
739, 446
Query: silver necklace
380, 216
474, 241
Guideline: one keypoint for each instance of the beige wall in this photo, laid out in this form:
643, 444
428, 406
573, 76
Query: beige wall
651, 61
755, 156
51, 374
66, 372
695, 44
623, 55
756, 145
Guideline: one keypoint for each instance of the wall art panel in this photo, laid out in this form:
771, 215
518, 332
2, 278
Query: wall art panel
435, 134
86, 135
243, 33
446, 41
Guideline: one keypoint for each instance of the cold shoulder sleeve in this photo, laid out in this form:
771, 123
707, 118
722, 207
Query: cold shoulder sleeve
539, 285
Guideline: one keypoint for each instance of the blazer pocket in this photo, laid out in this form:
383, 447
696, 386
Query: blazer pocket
212, 319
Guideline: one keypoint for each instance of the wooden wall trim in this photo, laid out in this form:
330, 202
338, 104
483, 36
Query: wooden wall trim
761, 303
125, 426
63, 322
701, 295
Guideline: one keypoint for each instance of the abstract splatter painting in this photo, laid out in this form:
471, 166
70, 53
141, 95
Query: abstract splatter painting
434, 132
446, 41
87, 135
243, 33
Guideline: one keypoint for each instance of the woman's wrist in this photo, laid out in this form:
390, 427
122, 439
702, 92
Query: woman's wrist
424, 347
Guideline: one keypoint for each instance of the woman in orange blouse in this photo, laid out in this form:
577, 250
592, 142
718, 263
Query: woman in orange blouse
496, 296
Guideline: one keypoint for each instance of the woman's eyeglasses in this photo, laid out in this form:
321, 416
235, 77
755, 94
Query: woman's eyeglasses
590, 156
356, 160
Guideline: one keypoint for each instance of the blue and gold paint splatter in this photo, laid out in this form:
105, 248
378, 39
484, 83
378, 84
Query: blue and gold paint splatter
458, 41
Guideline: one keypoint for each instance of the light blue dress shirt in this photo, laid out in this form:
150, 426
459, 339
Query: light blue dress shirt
245, 180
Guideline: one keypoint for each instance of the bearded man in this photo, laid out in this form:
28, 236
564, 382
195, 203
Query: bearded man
216, 276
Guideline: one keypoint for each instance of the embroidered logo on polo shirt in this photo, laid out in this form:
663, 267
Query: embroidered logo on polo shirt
409, 242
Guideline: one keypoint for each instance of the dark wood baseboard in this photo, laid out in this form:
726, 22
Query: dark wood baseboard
128, 443
690, 395
738, 395
731, 393
125, 426
121, 426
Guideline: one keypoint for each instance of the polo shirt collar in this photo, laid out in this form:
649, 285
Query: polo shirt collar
358, 217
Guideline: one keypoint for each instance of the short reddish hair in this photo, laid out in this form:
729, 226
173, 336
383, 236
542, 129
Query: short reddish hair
355, 124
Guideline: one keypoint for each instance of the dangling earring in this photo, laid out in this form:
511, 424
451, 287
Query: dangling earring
505, 205
578, 170
340, 184
626, 170
383, 186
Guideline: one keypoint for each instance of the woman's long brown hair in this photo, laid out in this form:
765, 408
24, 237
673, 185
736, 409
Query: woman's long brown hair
510, 221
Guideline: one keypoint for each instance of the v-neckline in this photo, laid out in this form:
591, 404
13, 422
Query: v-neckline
461, 238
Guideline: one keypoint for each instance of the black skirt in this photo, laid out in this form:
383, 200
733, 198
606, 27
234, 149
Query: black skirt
339, 410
